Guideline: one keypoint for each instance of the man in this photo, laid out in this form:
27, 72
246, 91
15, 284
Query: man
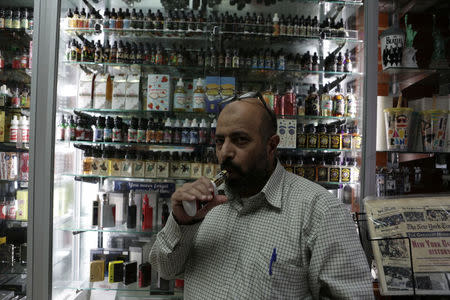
273, 235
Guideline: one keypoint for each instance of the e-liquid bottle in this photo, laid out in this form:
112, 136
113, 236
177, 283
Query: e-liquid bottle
79, 130
177, 132
301, 136
335, 137
311, 136
322, 171
185, 134
348, 66
104, 166
127, 165
117, 130
339, 63
175, 165
198, 98
312, 103
88, 161
194, 133
335, 170
142, 130
159, 134
61, 129
350, 103
346, 138
132, 130
168, 132
338, 103
202, 133
310, 168
108, 130
196, 165
326, 103
179, 97
356, 139
324, 137
346, 171
150, 134
315, 62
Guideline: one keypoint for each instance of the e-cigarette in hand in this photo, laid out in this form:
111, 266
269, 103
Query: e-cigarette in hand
191, 207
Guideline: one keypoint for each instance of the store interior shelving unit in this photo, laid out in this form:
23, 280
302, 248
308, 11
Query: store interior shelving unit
426, 171
74, 191
15, 74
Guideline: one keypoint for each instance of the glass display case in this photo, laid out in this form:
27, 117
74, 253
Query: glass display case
135, 106
16, 36
413, 160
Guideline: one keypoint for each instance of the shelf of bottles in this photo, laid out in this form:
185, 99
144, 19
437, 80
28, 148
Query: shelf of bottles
152, 137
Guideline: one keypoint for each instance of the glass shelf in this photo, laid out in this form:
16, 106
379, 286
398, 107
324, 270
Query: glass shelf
106, 286
153, 179
217, 69
167, 147
407, 76
119, 229
414, 152
187, 113
14, 269
318, 150
13, 147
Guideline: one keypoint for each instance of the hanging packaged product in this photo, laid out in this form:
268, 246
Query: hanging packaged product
132, 92
85, 89
287, 130
217, 89
311, 136
150, 165
179, 97
198, 99
323, 171
324, 137
335, 171
119, 90
102, 92
8, 166
2, 126
22, 205
162, 165
158, 92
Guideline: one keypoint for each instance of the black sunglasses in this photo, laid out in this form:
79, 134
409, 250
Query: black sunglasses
249, 95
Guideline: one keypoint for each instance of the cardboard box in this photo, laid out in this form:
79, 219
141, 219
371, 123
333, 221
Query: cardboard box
217, 89
102, 91
158, 92
119, 92
85, 90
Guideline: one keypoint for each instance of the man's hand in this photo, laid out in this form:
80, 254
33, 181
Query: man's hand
201, 190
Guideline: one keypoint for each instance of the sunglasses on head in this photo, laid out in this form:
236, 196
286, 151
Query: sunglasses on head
250, 95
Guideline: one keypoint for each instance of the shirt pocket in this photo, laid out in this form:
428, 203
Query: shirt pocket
288, 282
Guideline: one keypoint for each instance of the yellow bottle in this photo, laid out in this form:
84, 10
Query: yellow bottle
179, 97
87, 162
198, 99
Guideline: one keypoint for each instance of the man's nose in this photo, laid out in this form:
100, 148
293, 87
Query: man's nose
227, 150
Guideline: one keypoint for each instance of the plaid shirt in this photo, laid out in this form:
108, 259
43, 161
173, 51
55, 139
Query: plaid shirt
228, 254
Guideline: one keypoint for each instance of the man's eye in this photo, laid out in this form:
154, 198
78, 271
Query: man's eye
242, 140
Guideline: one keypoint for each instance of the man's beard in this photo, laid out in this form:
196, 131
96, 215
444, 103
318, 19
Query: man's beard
256, 176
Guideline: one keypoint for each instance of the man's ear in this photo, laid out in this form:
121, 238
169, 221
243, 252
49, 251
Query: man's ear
272, 144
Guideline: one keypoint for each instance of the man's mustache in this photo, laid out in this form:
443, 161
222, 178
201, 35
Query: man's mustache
229, 165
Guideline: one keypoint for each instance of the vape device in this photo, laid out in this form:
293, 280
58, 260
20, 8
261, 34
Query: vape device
191, 207
97, 271
147, 213
108, 212
145, 271
132, 211
95, 211
115, 271
130, 272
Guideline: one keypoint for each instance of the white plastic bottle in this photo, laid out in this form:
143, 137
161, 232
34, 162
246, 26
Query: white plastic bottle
14, 130
24, 126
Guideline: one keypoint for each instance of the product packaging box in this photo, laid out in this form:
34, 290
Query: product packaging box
24, 166
109, 255
132, 92
97, 271
119, 92
85, 90
2, 126
8, 165
287, 130
22, 205
115, 273
158, 92
217, 89
102, 91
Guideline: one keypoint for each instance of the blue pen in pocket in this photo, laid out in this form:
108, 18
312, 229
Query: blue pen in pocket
272, 260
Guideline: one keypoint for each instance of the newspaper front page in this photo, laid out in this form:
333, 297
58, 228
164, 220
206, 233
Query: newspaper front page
426, 222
